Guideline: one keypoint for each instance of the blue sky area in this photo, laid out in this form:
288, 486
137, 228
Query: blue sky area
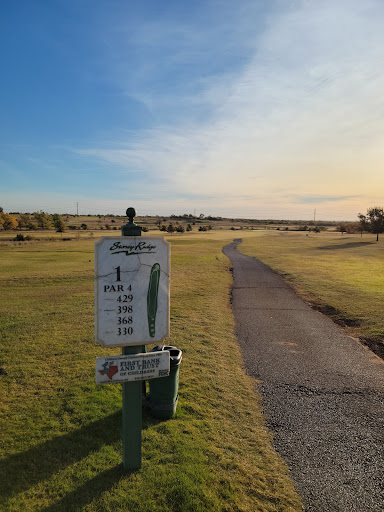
259, 108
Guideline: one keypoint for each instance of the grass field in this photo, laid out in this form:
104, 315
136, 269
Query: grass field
60, 433
341, 275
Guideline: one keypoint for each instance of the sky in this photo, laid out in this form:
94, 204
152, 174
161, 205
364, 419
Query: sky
248, 109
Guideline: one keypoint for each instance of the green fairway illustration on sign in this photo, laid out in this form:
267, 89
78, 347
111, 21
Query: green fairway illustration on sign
131, 290
153, 290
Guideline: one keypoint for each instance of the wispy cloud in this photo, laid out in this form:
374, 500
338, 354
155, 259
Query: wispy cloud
323, 199
303, 113
251, 111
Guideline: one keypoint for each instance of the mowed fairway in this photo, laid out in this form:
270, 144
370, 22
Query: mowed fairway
342, 275
60, 433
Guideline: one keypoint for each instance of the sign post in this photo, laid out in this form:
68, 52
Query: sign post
132, 419
132, 310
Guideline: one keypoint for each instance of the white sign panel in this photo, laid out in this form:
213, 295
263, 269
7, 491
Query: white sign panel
131, 290
151, 365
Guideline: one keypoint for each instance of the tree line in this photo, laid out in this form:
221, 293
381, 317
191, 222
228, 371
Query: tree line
36, 220
372, 222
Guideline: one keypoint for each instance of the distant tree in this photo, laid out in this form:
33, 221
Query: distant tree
354, 227
43, 219
84, 226
189, 227
180, 228
8, 221
373, 221
342, 227
25, 221
58, 223
361, 228
170, 228
1, 209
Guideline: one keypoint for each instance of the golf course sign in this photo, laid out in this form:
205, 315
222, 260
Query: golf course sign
131, 290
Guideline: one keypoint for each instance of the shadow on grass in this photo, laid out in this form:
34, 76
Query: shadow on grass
91, 490
347, 245
21, 471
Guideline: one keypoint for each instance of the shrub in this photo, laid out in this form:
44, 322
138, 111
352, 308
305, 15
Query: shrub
22, 238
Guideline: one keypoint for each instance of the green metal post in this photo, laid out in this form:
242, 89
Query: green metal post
132, 419
132, 391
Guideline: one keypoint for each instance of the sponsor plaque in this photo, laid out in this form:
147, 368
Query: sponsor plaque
151, 365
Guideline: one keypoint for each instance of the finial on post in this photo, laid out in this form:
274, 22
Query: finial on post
131, 229
131, 213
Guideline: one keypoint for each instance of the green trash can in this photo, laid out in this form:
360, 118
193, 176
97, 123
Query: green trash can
163, 392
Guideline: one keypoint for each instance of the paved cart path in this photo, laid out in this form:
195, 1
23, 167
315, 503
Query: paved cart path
322, 391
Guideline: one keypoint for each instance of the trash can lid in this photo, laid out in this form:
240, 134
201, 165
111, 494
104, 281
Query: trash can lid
175, 354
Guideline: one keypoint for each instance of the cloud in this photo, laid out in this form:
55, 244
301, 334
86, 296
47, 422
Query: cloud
323, 199
303, 114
